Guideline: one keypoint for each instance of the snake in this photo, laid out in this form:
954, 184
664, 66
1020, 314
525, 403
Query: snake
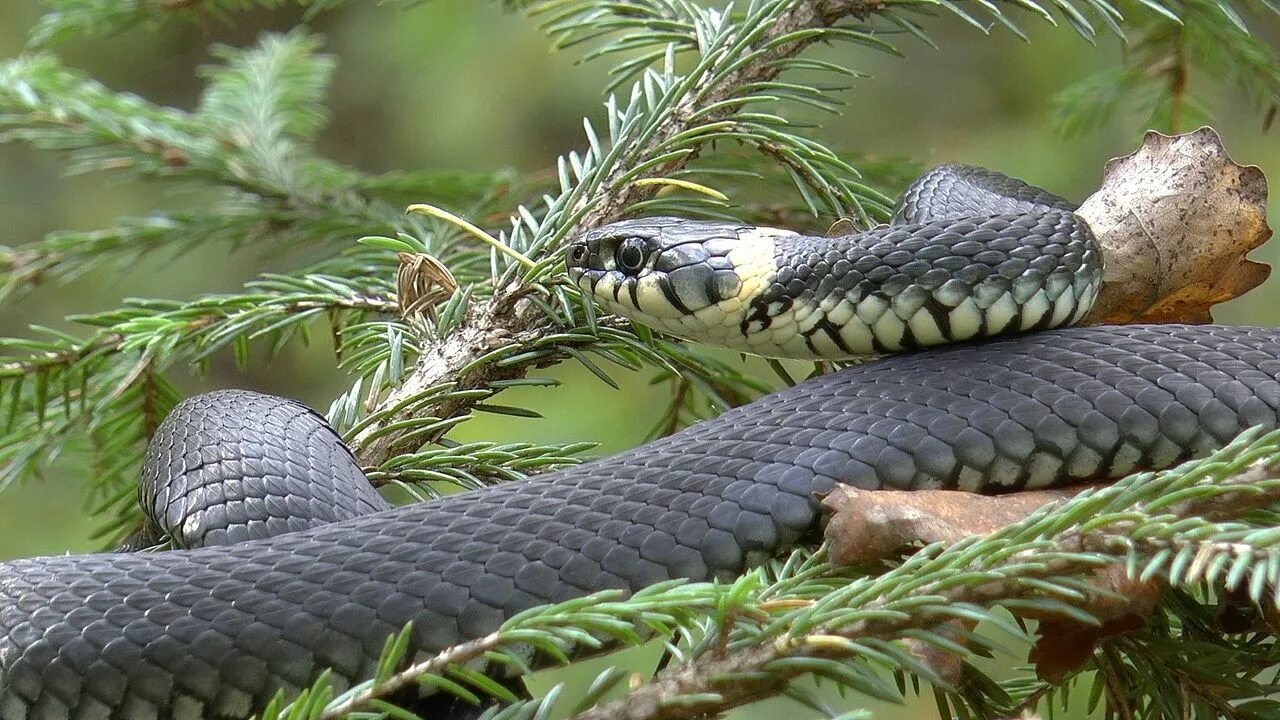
971, 253
284, 563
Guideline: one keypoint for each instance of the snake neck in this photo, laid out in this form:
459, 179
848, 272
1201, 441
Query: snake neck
903, 287
895, 288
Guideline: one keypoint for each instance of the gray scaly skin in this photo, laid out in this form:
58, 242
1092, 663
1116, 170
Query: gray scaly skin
209, 479
971, 254
213, 632
951, 191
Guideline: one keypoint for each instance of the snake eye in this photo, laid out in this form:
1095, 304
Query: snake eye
631, 255
578, 253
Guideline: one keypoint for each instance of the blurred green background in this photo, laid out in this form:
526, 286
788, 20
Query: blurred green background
459, 84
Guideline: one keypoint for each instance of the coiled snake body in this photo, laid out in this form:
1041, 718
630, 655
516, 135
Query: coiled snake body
214, 631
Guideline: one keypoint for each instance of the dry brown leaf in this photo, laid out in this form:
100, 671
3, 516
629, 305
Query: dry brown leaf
841, 227
947, 665
1175, 220
870, 525
422, 282
1065, 644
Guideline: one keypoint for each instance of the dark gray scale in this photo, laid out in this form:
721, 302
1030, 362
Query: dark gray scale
952, 190
231, 465
215, 631
932, 267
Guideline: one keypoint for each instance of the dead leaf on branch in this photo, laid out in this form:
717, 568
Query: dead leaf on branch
1122, 605
866, 526
1176, 219
422, 282
870, 525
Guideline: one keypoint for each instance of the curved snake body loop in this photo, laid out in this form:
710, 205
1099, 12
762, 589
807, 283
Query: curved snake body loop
318, 572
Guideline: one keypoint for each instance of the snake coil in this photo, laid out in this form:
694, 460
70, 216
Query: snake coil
291, 564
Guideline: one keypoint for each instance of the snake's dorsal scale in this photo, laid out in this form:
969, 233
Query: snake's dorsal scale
950, 191
233, 465
902, 287
972, 254
214, 632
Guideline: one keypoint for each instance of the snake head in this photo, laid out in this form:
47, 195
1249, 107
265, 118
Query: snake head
673, 274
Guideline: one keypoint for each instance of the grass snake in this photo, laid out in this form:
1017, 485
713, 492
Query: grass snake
289, 563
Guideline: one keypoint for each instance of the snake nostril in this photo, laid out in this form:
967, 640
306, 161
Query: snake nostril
578, 253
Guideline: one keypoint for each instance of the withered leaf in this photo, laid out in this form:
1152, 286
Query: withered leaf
1121, 606
1176, 219
842, 227
870, 525
422, 282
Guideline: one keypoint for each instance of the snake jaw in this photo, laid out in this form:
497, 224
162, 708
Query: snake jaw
696, 282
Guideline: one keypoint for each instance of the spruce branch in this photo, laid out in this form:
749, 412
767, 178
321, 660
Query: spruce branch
1168, 42
1061, 543
663, 129
787, 29
110, 17
472, 466
112, 389
249, 142
655, 135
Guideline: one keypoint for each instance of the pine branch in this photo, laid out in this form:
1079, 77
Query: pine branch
655, 143
1170, 42
111, 387
1069, 543
110, 17
472, 466
661, 131
250, 142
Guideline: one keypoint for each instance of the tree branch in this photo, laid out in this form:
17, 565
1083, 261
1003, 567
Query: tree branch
509, 318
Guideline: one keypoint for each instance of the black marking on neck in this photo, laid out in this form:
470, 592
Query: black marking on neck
878, 346
909, 341
758, 311
832, 332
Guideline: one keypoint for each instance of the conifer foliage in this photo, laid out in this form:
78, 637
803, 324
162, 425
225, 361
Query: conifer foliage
433, 317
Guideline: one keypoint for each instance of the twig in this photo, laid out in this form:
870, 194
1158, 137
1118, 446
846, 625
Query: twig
455, 655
